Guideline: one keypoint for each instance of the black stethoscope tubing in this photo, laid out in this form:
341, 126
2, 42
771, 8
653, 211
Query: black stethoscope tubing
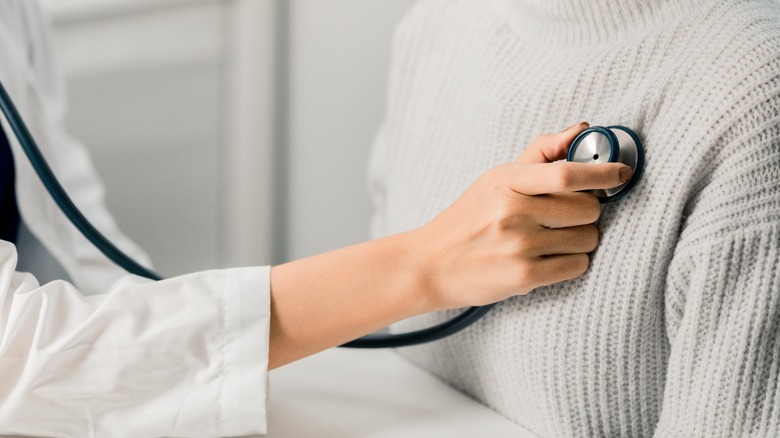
63, 201
392, 340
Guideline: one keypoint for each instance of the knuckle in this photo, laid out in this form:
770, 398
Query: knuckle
522, 208
524, 277
496, 177
504, 222
564, 177
503, 212
509, 214
500, 178
523, 244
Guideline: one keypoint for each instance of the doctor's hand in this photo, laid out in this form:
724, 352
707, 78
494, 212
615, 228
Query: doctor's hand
519, 226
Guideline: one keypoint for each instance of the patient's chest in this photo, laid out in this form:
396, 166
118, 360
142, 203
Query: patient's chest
583, 357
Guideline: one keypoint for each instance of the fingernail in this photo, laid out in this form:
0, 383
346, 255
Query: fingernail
575, 125
625, 173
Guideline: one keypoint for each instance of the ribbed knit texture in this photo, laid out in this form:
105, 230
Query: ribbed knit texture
674, 329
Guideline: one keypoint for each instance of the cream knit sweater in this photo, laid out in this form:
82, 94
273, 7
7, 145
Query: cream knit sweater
675, 328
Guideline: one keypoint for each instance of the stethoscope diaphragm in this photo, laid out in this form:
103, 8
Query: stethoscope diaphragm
610, 144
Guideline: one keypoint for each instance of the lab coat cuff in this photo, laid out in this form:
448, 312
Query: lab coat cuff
247, 328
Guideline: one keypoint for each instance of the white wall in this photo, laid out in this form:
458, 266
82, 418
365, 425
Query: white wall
145, 97
339, 55
174, 103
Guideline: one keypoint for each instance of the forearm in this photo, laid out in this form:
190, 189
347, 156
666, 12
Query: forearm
499, 239
329, 299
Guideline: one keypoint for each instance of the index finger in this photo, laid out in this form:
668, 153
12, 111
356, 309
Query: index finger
551, 147
565, 176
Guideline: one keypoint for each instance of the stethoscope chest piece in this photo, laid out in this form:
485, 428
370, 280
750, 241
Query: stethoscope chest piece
610, 144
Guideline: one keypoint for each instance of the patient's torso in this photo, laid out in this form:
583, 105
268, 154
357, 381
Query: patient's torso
468, 92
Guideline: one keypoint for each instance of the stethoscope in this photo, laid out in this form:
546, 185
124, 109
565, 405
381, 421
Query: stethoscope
597, 144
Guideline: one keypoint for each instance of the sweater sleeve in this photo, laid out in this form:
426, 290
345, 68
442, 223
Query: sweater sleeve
723, 287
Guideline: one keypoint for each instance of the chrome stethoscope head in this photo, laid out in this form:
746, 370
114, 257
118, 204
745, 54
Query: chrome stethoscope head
610, 144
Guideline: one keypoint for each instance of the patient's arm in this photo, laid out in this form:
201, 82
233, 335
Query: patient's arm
723, 293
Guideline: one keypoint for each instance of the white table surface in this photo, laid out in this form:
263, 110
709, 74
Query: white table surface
373, 393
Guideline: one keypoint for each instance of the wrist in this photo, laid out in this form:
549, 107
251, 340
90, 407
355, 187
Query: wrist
417, 263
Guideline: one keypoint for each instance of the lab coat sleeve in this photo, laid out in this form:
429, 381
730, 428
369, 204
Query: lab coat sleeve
184, 357
722, 303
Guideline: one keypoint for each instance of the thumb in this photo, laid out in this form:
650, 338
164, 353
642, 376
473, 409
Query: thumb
551, 147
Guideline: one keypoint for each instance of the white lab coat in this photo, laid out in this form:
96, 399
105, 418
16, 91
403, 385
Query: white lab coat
111, 354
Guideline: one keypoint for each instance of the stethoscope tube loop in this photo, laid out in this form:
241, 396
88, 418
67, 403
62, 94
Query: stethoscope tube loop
422, 336
60, 196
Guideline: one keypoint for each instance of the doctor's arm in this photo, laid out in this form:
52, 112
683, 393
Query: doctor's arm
112, 355
517, 227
